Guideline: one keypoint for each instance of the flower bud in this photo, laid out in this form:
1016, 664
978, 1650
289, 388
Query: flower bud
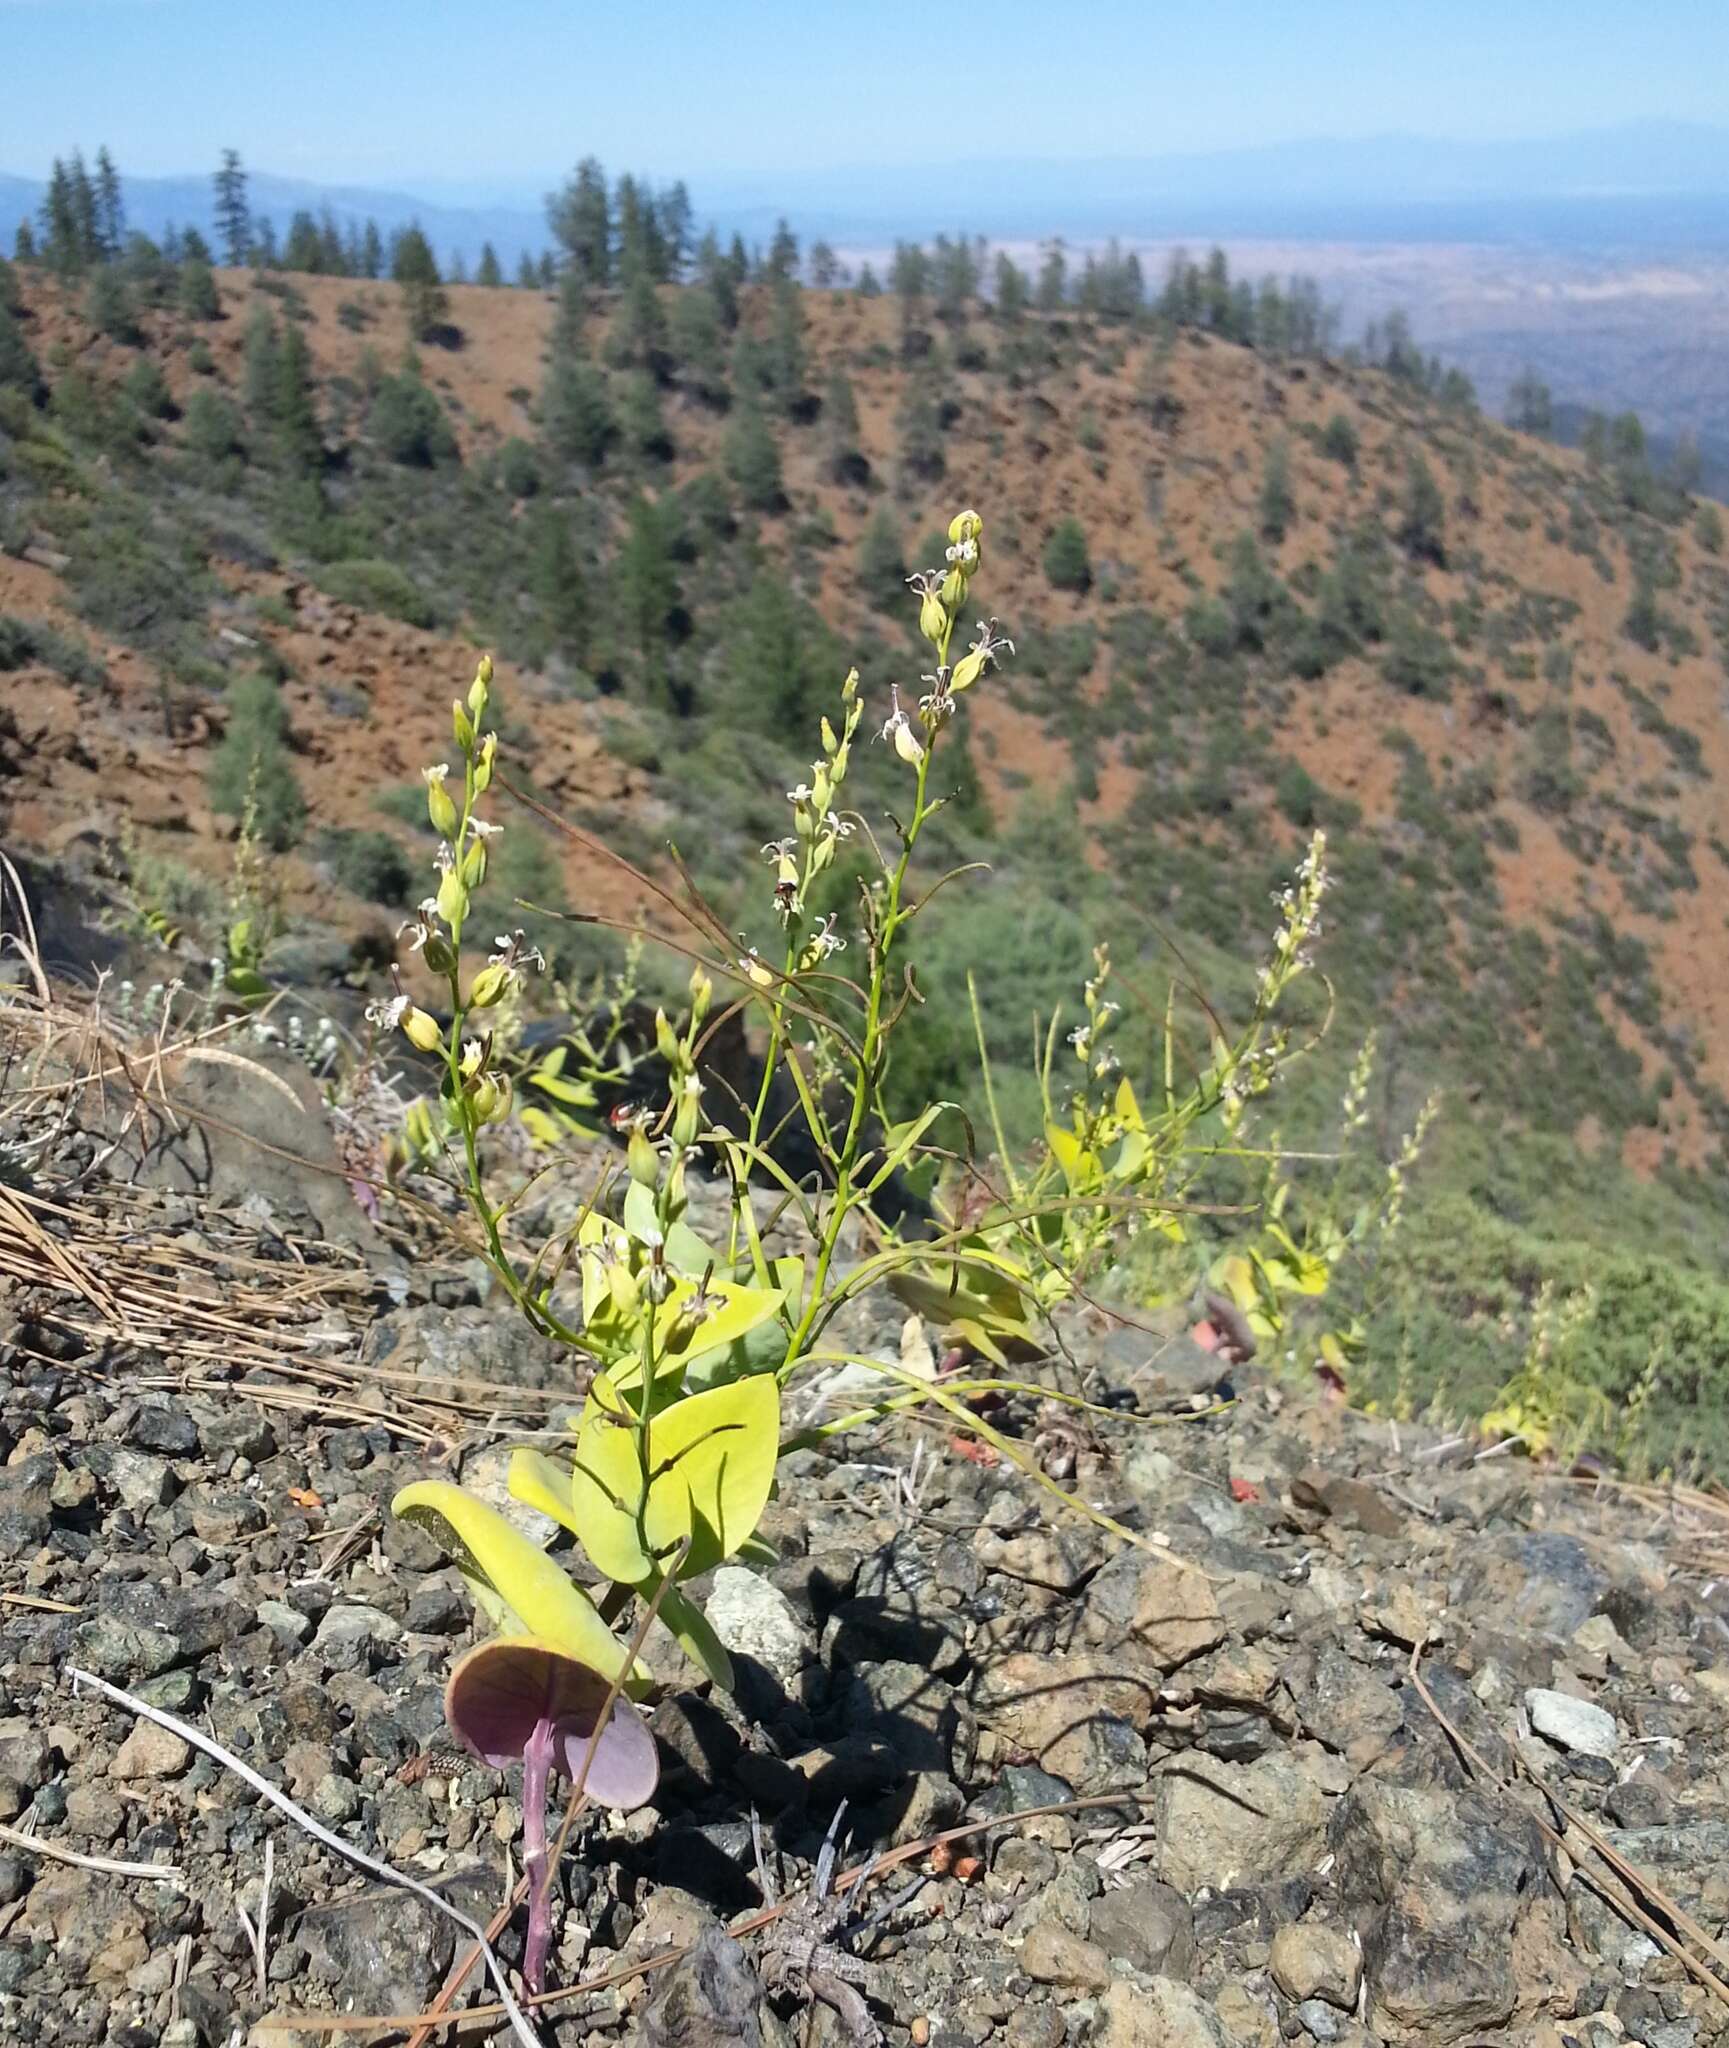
441, 810
489, 986
829, 742
908, 744
954, 591
967, 671
480, 689
452, 898
665, 1042
933, 618
643, 1160
849, 689
474, 863
701, 994
484, 760
621, 1285
421, 1030
966, 526
688, 1117
462, 726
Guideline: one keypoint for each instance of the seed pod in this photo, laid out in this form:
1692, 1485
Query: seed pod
933, 618
421, 1030
643, 1160
954, 592
474, 864
440, 809
908, 744
462, 726
483, 763
452, 898
489, 986
967, 670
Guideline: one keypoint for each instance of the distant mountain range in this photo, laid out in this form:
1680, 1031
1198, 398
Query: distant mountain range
1646, 184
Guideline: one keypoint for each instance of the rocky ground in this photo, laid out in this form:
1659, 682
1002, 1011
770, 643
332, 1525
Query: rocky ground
218, 1370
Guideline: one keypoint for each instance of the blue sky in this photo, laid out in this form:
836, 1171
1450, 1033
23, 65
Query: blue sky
496, 95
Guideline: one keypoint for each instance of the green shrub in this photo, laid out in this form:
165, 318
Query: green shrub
1066, 561
148, 389
408, 423
380, 587
371, 865
250, 771
1339, 441
27, 641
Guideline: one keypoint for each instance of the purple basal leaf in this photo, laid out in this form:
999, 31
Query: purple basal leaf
503, 1690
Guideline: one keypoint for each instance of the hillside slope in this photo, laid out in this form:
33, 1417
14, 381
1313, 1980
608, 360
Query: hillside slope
1303, 592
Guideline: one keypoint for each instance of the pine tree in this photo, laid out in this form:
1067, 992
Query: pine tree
371, 251
644, 595
110, 208
824, 266
558, 586
782, 264
24, 243
1529, 406
580, 216
299, 442
199, 298
263, 345
233, 216
675, 220
1052, 289
489, 273
60, 246
302, 250
846, 462
576, 412
264, 255
639, 333
527, 273
752, 459
1423, 515
1277, 503
696, 346
643, 421
882, 562
1012, 291
19, 369
84, 212
109, 307
415, 268
785, 358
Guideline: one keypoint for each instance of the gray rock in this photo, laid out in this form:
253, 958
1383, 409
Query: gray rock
356, 1637
1221, 1824
1167, 1607
1050, 1954
166, 1427
1147, 1925
709, 1999
1164, 2014
386, 1948
1310, 1962
26, 1504
1540, 1580
1574, 1724
755, 1619
1436, 1882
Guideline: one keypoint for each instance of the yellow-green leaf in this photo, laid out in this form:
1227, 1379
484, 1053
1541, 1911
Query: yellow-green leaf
540, 1484
517, 1586
711, 1465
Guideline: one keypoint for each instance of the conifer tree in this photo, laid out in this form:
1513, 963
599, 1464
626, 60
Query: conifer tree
24, 243
782, 264
489, 273
527, 273
110, 208
294, 416
1053, 285
1277, 503
199, 298
371, 250
675, 222
415, 268
752, 459
1012, 292
695, 341
233, 216
558, 586
580, 216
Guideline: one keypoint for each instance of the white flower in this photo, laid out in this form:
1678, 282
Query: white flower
825, 940
482, 830
387, 1014
801, 795
436, 773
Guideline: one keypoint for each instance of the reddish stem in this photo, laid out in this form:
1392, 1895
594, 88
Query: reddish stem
536, 1774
